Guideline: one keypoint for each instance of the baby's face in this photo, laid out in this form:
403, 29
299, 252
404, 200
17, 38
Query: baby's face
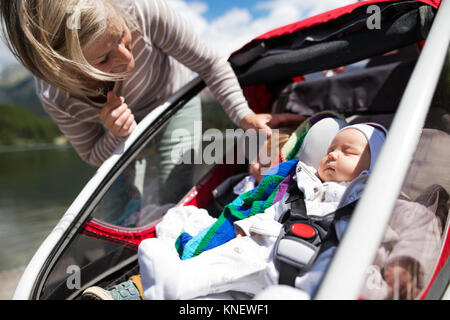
348, 155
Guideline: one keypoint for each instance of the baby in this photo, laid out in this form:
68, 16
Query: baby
245, 263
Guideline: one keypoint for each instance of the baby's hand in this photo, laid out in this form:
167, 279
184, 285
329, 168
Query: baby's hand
239, 233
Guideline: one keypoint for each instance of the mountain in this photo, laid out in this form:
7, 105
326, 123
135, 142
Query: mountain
23, 121
21, 127
17, 88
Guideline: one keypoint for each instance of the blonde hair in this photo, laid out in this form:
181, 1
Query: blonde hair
48, 38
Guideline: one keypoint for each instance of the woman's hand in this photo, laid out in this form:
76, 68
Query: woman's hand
257, 121
267, 122
117, 117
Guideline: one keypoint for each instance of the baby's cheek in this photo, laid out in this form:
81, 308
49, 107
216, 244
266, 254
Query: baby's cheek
351, 168
344, 173
321, 166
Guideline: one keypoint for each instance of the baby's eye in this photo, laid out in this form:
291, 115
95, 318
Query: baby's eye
351, 151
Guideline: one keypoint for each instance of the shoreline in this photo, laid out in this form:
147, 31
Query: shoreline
38, 147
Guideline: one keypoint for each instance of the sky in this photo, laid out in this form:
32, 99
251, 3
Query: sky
229, 24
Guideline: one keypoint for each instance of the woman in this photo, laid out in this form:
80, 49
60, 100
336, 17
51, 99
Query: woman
99, 63
102, 66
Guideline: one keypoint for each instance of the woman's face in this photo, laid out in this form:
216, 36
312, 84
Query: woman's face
112, 53
348, 155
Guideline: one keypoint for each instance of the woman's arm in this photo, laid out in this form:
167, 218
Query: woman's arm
172, 34
82, 127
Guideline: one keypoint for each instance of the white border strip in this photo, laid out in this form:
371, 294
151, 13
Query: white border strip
360, 243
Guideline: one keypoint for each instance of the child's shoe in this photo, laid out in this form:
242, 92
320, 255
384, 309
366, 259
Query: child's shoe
123, 291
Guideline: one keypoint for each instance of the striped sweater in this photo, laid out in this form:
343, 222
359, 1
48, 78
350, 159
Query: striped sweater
165, 50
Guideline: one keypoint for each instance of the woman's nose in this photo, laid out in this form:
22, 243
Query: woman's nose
123, 55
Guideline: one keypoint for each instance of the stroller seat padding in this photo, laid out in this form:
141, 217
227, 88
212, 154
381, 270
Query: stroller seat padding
374, 90
429, 165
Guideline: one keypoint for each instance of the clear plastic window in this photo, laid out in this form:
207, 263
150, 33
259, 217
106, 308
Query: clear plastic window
165, 170
151, 184
407, 259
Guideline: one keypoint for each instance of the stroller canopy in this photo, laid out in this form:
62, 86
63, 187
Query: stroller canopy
332, 39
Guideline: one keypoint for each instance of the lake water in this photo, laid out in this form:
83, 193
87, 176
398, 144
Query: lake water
36, 189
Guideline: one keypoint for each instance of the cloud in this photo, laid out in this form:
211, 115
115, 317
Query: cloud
305, 8
192, 12
238, 26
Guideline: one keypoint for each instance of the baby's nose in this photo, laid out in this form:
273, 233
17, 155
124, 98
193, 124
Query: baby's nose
332, 155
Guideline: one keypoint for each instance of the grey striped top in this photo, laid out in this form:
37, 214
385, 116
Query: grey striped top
164, 50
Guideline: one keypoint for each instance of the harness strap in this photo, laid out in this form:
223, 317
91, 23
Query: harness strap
303, 238
293, 255
331, 239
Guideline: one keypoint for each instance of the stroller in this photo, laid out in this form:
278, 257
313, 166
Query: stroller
396, 73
